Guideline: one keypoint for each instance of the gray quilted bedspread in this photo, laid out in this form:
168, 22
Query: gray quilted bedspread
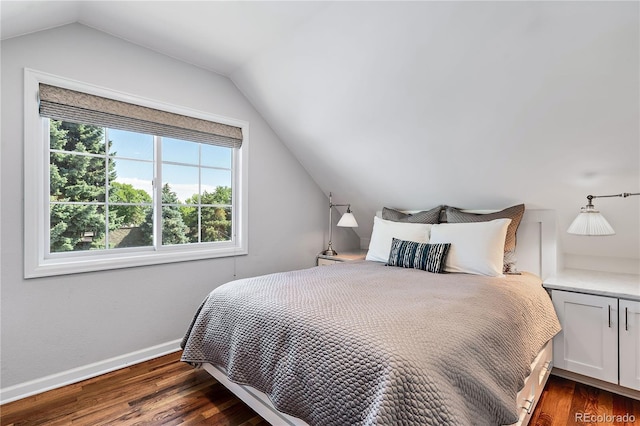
368, 344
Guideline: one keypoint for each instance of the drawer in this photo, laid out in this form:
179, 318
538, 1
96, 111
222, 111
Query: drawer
325, 262
543, 368
528, 397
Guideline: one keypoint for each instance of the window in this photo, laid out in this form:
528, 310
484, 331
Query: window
108, 195
101, 188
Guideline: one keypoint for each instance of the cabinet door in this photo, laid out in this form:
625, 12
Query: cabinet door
629, 344
588, 342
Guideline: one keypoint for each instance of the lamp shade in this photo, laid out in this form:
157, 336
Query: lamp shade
590, 222
348, 221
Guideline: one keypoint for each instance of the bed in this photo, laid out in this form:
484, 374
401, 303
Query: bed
364, 343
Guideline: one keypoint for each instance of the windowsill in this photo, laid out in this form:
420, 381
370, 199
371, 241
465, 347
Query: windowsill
65, 266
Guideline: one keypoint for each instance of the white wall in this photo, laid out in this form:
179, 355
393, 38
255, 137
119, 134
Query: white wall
472, 104
51, 325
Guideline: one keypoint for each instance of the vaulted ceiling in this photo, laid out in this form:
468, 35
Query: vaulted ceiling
414, 104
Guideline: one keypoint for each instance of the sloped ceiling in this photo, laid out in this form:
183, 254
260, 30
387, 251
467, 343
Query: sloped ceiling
215, 35
414, 104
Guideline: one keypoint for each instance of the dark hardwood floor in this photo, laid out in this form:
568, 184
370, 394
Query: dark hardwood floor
565, 402
164, 391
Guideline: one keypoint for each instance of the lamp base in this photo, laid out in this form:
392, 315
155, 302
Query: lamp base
330, 252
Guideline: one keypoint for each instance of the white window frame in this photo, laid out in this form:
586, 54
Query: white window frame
36, 193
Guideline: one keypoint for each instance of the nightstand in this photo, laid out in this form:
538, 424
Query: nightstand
345, 256
600, 338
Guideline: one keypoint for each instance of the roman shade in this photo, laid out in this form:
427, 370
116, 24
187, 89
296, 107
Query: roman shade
64, 104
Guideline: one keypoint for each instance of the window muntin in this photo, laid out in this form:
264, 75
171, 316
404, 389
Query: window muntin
89, 162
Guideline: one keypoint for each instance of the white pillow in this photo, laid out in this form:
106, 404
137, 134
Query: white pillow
476, 248
384, 231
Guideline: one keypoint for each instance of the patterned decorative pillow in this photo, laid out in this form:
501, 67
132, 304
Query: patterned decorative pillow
427, 216
514, 213
412, 254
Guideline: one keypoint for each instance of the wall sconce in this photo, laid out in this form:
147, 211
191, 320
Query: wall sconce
590, 221
347, 221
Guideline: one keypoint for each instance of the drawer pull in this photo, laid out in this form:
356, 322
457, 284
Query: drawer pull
626, 319
529, 408
609, 316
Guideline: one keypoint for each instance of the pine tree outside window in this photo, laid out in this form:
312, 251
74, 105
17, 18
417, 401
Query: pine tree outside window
118, 197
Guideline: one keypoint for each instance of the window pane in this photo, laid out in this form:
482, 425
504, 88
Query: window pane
67, 136
130, 144
129, 215
134, 232
182, 184
174, 230
190, 219
221, 195
178, 151
216, 224
215, 181
78, 178
216, 156
77, 227
133, 182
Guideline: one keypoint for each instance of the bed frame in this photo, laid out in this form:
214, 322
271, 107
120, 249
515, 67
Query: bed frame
536, 252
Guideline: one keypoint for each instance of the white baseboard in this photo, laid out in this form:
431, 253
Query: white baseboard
75, 375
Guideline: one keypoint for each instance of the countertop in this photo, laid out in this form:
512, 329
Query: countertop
624, 286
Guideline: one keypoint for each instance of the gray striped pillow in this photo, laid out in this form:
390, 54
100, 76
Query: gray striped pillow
412, 254
427, 216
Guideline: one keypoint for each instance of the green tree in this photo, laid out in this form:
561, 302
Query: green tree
189, 214
174, 231
126, 193
215, 221
77, 178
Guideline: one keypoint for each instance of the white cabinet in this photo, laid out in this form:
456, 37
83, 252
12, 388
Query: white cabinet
629, 325
588, 342
600, 337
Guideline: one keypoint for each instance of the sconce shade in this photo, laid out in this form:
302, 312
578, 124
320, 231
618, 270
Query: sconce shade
348, 221
590, 222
